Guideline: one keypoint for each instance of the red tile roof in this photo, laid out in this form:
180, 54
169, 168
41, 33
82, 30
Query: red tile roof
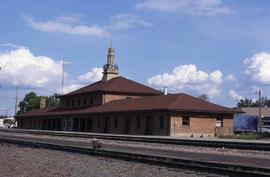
119, 85
172, 102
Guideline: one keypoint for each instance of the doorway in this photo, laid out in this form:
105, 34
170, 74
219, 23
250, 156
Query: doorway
127, 125
106, 125
149, 125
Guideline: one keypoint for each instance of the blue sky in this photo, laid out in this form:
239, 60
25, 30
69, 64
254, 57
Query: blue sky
216, 47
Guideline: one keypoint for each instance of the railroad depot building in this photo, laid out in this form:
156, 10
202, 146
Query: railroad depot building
118, 105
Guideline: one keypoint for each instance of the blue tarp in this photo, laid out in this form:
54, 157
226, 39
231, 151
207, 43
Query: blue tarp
245, 123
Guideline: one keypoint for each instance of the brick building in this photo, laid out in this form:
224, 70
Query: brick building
121, 106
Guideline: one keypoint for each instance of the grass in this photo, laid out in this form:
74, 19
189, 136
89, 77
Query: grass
248, 136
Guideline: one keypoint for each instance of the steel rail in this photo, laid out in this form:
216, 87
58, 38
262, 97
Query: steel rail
230, 144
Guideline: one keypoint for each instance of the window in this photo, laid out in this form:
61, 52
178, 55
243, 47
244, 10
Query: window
73, 102
161, 122
128, 97
115, 122
138, 121
78, 102
186, 121
67, 103
85, 101
91, 101
219, 122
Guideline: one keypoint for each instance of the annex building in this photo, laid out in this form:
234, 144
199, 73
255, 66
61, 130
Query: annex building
118, 105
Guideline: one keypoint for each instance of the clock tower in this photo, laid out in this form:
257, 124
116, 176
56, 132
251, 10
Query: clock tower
110, 70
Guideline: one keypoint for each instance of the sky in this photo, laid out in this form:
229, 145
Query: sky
214, 47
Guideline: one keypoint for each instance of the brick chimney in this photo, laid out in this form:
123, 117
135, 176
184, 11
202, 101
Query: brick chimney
42, 103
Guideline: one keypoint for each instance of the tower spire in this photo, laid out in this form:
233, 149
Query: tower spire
110, 70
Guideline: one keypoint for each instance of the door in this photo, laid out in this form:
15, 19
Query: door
149, 125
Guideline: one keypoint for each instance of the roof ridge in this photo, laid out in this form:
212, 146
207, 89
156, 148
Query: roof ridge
110, 82
174, 102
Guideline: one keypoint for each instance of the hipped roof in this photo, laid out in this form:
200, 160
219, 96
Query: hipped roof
254, 111
173, 102
117, 85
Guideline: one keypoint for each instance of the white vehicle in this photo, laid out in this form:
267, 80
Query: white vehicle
265, 130
6, 122
2, 123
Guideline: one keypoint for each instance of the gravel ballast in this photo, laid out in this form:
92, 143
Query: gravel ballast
33, 162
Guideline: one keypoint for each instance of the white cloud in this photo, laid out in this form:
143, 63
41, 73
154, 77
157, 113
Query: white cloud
258, 66
71, 87
71, 24
230, 77
127, 20
66, 24
188, 78
21, 67
216, 77
95, 74
235, 95
193, 7
10, 45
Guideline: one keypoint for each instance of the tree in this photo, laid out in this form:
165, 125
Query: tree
204, 97
245, 103
265, 102
53, 100
32, 101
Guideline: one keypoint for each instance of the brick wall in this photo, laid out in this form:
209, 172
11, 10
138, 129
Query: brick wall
127, 123
95, 97
205, 125
111, 97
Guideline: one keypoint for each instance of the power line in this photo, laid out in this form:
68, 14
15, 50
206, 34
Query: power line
7, 109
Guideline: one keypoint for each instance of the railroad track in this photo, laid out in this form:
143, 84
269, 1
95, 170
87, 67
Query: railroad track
231, 144
164, 159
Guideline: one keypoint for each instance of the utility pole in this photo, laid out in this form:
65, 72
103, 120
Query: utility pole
63, 77
237, 106
260, 111
0, 70
16, 99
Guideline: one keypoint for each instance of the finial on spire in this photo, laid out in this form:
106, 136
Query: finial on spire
111, 40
